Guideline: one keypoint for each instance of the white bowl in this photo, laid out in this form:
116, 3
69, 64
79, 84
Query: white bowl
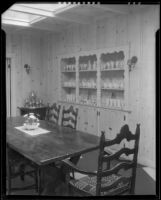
31, 126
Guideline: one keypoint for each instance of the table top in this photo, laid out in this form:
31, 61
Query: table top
59, 143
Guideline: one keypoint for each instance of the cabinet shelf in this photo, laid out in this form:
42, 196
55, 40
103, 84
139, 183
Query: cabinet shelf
88, 88
88, 70
69, 86
114, 69
70, 71
115, 89
87, 104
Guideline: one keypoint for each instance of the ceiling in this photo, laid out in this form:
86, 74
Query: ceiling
55, 17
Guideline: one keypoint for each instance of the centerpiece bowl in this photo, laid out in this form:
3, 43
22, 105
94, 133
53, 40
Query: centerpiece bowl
31, 122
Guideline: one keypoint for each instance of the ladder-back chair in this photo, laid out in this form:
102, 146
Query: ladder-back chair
116, 180
69, 117
53, 113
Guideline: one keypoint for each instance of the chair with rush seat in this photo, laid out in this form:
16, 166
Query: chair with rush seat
53, 112
69, 119
118, 179
18, 166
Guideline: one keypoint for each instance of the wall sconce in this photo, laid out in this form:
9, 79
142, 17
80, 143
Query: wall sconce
28, 68
132, 62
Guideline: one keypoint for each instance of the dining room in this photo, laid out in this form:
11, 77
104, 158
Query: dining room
80, 109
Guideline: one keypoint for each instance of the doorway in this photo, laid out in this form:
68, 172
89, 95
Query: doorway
11, 100
8, 87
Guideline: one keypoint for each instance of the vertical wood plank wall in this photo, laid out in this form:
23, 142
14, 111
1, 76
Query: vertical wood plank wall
25, 49
137, 29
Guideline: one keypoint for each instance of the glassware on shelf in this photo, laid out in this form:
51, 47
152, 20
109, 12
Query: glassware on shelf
110, 83
107, 102
118, 103
122, 103
121, 59
122, 84
95, 65
70, 97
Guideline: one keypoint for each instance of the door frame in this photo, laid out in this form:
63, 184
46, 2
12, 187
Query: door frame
13, 84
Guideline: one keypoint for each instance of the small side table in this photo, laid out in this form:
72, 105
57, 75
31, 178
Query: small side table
40, 111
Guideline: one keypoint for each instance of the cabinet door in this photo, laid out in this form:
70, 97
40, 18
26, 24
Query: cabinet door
87, 120
92, 121
111, 122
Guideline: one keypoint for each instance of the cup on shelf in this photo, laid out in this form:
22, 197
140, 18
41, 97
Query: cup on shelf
117, 64
107, 102
122, 104
122, 64
121, 84
110, 103
113, 103
110, 84
95, 65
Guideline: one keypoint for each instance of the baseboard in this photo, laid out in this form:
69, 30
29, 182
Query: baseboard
146, 162
151, 172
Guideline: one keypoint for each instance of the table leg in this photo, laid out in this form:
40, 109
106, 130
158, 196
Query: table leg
39, 180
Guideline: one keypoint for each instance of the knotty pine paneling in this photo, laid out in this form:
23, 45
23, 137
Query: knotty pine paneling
50, 69
25, 49
137, 30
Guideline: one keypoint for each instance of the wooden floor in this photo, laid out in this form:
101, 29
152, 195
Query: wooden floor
145, 183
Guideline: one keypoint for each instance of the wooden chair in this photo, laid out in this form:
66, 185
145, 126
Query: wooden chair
69, 117
118, 179
53, 112
18, 166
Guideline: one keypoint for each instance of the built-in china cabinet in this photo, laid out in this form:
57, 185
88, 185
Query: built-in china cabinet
96, 81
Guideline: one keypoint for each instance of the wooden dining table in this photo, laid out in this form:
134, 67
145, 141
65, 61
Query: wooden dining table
43, 149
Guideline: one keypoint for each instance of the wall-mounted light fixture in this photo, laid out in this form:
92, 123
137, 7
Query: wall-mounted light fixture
132, 62
28, 68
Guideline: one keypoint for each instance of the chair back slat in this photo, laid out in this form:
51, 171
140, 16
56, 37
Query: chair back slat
53, 113
118, 154
125, 133
105, 188
119, 177
117, 168
69, 117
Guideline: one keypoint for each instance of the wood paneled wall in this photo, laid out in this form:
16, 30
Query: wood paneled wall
138, 31
24, 49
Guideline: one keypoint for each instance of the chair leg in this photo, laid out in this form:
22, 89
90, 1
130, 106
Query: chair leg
22, 172
75, 160
39, 180
9, 179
